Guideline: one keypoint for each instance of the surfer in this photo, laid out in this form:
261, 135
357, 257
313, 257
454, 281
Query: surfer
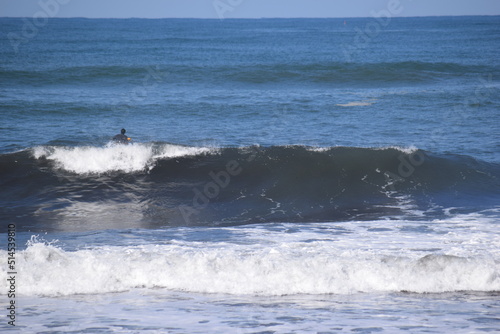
121, 138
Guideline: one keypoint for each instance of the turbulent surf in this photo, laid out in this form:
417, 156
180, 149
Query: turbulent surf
172, 185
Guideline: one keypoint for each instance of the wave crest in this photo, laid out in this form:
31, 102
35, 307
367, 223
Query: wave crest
113, 157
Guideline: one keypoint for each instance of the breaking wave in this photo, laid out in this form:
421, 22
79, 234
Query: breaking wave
170, 185
283, 269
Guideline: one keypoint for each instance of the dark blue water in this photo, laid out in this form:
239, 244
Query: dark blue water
347, 166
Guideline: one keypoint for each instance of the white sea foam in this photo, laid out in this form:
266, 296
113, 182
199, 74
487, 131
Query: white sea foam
317, 267
363, 103
457, 253
124, 158
407, 150
319, 149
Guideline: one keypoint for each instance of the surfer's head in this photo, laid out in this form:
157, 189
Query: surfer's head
123, 131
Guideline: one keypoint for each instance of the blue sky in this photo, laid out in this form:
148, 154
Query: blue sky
244, 8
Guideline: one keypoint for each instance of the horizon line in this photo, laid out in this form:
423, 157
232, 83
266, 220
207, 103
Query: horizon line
244, 18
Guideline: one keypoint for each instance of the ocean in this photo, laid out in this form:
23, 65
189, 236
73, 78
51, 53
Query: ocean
283, 175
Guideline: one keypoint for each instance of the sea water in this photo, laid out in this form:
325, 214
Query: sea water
284, 176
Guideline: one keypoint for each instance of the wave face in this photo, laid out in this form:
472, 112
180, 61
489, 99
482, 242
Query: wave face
168, 185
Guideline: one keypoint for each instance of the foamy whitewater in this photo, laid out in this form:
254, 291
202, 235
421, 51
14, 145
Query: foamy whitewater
112, 157
286, 260
284, 176
239, 279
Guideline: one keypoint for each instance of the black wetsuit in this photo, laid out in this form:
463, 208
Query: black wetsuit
121, 138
